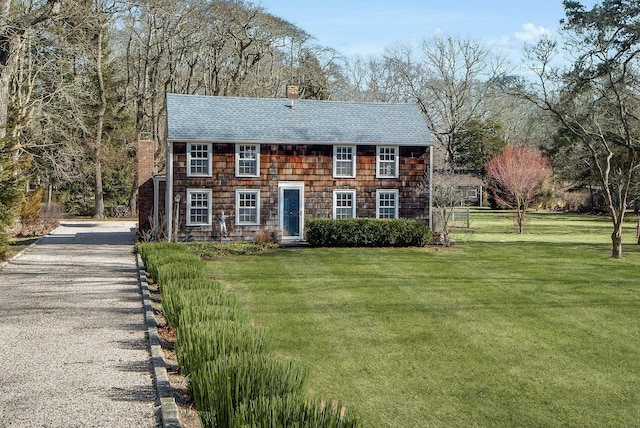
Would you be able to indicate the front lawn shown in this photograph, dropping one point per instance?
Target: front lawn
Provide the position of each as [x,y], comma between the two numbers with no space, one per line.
[500,330]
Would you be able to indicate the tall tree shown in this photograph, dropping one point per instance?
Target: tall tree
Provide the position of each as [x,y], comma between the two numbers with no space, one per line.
[516,177]
[13,26]
[476,142]
[451,79]
[597,99]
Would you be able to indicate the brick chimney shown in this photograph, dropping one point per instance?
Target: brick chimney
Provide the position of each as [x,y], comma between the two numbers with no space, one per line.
[146,164]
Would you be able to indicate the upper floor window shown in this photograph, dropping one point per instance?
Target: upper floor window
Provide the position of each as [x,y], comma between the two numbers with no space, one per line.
[344,204]
[386,204]
[387,162]
[247,207]
[247,160]
[198,207]
[199,160]
[344,161]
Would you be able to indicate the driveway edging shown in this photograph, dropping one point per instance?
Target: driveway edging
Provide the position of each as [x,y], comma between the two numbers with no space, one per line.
[168,407]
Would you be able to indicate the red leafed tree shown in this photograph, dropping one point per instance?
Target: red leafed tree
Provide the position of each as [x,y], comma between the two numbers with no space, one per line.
[516,176]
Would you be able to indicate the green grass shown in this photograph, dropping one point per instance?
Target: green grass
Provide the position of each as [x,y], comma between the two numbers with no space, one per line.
[502,330]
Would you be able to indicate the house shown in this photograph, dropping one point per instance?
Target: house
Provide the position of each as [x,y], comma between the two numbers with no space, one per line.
[239,166]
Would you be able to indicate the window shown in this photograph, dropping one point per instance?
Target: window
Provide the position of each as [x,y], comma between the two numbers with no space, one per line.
[387,204]
[199,160]
[387,162]
[344,161]
[247,207]
[247,160]
[198,207]
[344,204]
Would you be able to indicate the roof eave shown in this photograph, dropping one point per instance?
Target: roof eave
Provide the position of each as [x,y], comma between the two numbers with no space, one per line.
[297,142]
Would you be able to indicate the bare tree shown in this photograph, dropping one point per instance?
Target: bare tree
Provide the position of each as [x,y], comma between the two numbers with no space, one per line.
[447,194]
[451,79]
[13,27]
[516,178]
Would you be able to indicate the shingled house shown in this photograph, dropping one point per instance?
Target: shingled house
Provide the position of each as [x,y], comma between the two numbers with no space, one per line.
[238,166]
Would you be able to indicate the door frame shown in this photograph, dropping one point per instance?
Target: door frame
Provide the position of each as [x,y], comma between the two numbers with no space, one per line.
[290,185]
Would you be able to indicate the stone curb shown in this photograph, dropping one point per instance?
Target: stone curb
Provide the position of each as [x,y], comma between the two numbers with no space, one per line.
[168,407]
[19,253]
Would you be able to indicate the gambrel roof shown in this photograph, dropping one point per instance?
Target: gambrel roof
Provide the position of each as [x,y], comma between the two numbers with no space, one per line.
[192,118]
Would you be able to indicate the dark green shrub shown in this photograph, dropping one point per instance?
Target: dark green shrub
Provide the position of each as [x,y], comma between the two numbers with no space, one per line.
[207,341]
[365,232]
[219,387]
[209,250]
[291,411]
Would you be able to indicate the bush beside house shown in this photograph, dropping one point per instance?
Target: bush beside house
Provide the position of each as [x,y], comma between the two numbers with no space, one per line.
[366,232]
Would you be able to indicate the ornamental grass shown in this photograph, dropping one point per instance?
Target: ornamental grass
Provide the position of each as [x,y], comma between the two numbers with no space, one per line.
[220,386]
[207,341]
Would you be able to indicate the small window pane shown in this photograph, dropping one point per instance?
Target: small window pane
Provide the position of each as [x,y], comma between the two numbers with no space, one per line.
[344,160]
[247,209]
[247,160]
[387,204]
[344,205]
[387,162]
[199,159]
[199,208]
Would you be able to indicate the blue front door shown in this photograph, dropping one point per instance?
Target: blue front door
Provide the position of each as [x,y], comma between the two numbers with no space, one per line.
[291,212]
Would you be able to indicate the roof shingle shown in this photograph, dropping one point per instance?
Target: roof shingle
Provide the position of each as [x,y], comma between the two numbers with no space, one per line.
[274,120]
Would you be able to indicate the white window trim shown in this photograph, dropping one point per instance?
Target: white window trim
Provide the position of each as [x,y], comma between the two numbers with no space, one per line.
[237,160]
[209,160]
[238,192]
[353,199]
[353,160]
[188,210]
[396,161]
[397,199]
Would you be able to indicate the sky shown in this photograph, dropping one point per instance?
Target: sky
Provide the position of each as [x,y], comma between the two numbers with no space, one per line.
[365,28]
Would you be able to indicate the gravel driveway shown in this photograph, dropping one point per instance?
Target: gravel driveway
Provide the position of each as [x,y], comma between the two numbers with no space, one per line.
[73,350]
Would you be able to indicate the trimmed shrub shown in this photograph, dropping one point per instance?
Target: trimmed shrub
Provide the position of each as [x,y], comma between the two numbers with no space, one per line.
[219,387]
[291,411]
[207,341]
[366,232]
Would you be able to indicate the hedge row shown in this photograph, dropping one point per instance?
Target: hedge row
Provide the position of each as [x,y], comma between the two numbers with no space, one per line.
[234,377]
[366,232]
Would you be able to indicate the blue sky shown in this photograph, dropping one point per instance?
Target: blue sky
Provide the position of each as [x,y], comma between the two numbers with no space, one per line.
[358,27]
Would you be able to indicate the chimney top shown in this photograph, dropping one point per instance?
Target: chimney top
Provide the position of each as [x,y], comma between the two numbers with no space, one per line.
[292,92]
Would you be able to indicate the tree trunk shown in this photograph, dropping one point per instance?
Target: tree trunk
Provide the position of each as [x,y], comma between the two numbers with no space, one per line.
[616,235]
[616,242]
[99,194]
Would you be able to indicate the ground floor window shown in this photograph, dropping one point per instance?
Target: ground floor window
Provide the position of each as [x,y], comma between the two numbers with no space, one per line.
[387,204]
[247,207]
[198,207]
[344,204]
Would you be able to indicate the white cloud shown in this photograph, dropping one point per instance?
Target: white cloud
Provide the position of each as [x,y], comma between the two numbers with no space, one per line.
[531,33]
